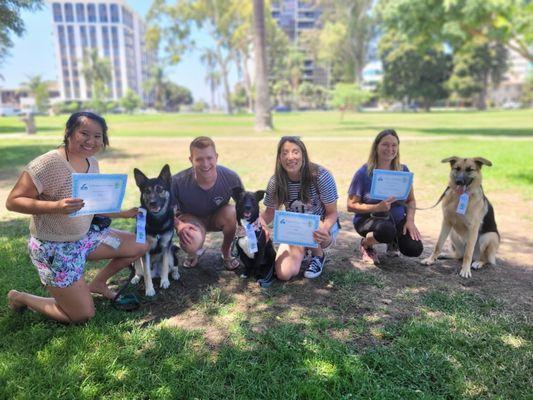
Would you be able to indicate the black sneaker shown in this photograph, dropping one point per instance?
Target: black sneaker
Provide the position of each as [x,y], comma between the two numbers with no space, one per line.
[316,266]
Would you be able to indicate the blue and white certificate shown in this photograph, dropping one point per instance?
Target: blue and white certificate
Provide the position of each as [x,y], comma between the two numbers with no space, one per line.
[387,183]
[101,193]
[295,228]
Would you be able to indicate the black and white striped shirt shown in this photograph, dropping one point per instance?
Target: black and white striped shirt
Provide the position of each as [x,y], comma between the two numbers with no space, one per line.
[326,194]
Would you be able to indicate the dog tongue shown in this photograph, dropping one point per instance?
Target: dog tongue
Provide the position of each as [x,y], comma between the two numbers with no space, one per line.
[460,189]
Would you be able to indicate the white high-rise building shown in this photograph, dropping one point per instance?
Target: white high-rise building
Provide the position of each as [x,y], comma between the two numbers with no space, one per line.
[114,30]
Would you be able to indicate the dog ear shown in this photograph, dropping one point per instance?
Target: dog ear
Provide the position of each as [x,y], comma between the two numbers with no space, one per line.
[259,195]
[140,178]
[452,160]
[236,192]
[482,161]
[165,174]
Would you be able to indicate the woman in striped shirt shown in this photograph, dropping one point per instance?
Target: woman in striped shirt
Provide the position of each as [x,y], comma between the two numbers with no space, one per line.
[304,187]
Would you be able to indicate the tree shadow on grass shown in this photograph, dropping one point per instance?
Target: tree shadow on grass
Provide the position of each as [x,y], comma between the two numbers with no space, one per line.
[502,131]
[22,129]
[390,332]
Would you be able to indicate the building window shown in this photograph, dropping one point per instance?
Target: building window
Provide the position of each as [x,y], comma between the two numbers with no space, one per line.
[127,17]
[105,39]
[69,12]
[61,35]
[92,35]
[114,36]
[114,13]
[91,12]
[56,9]
[102,10]
[83,36]
[80,12]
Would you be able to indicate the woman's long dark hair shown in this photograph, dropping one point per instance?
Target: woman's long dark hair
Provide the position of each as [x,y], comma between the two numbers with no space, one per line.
[75,121]
[308,173]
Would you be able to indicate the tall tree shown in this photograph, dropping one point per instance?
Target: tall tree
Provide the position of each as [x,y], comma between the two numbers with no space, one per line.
[11,22]
[351,30]
[457,22]
[295,64]
[263,115]
[97,74]
[39,91]
[475,65]
[156,84]
[412,72]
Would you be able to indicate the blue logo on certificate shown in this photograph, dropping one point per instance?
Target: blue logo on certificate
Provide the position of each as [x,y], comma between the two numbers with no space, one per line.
[387,184]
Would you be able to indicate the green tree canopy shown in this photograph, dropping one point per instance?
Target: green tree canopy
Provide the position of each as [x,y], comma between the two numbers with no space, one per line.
[12,23]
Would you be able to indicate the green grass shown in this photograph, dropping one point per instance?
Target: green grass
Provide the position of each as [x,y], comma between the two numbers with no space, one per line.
[516,123]
[436,342]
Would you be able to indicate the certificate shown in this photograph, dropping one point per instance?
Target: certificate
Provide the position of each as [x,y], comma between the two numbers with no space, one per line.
[295,228]
[101,193]
[387,183]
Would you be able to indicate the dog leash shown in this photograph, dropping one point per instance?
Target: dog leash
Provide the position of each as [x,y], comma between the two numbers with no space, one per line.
[438,201]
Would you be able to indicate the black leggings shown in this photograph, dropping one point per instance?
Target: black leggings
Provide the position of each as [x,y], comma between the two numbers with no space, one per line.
[385,231]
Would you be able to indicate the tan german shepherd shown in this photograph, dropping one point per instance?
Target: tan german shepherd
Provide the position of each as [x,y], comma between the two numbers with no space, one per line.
[474,234]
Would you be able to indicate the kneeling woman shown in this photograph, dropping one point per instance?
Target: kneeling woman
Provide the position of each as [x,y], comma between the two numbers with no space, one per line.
[59,244]
[304,187]
[387,221]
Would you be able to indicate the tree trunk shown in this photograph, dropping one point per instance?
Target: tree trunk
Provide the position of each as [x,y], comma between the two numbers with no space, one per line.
[263,115]
[247,82]
[481,103]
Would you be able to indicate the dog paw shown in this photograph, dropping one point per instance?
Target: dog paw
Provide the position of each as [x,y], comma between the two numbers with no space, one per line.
[477,264]
[175,274]
[136,279]
[165,284]
[465,273]
[150,292]
[427,261]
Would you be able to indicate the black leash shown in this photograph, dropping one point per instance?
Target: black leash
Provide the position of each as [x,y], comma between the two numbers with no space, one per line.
[438,201]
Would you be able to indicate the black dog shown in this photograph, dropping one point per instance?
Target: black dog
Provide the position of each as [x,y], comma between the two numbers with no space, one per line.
[155,198]
[260,262]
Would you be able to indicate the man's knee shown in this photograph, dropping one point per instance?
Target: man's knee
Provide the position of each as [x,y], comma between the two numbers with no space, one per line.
[226,217]
[385,232]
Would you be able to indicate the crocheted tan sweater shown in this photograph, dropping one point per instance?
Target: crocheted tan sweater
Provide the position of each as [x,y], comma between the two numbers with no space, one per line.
[52,176]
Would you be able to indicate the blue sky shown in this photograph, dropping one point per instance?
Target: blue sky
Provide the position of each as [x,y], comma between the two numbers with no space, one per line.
[33,54]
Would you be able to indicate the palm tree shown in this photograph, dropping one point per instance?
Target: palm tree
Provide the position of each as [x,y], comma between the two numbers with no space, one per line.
[295,63]
[38,90]
[97,74]
[157,84]
[263,116]
[216,56]
[213,77]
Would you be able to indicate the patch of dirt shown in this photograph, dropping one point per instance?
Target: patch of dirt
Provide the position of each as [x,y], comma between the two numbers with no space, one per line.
[355,316]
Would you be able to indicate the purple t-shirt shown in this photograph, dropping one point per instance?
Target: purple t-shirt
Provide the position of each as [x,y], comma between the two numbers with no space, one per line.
[360,186]
[190,198]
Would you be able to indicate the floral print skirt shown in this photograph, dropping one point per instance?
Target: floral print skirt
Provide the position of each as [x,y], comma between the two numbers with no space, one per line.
[60,264]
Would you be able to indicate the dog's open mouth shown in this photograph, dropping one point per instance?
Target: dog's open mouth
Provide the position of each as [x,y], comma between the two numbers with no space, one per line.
[247,214]
[460,189]
[154,208]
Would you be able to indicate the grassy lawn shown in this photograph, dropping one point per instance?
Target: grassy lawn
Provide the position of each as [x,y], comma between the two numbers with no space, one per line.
[396,332]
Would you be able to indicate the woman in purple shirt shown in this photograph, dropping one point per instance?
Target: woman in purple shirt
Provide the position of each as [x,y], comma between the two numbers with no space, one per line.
[386,221]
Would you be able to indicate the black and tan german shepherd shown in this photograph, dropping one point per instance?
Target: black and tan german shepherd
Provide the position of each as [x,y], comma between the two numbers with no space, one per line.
[159,260]
[261,262]
[474,234]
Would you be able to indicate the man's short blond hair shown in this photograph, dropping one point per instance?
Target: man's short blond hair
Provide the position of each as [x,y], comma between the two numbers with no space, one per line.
[202,142]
